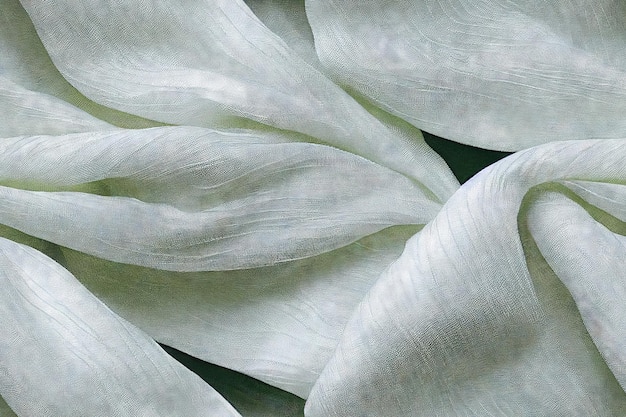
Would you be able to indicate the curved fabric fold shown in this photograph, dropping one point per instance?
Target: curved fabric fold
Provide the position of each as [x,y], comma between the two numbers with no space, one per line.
[287,19]
[503,75]
[508,302]
[64,353]
[193,199]
[214,64]
[590,259]
[279,324]
[33,92]
[26,112]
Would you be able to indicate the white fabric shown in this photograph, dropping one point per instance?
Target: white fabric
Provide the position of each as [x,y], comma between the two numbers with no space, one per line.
[34,96]
[30,113]
[265,233]
[192,199]
[279,324]
[287,19]
[211,63]
[64,353]
[497,74]
[476,316]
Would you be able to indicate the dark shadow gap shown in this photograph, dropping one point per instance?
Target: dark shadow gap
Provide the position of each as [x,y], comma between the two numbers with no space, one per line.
[248,395]
[464,160]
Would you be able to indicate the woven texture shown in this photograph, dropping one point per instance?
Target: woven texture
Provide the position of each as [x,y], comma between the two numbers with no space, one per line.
[247,183]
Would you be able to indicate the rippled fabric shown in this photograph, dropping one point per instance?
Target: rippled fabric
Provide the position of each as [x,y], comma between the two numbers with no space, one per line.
[263,231]
[504,75]
[287,19]
[279,324]
[585,246]
[28,112]
[34,96]
[64,353]
[163,197]
[507,303]
[190,199]
[210,63]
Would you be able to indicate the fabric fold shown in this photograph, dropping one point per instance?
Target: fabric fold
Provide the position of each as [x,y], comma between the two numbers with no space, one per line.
[34,96]
[499,305]
[54,330]
[279,324]
[193,199]
[502,75]
[214,64]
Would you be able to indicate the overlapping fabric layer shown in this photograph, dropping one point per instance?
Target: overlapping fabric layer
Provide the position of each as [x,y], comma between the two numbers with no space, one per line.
[507,303]
[504,75]
[192,199]
[213,64]
[34,96]
[65,353]
[264,231]
[279,324]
